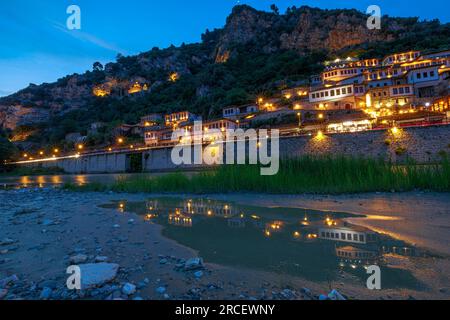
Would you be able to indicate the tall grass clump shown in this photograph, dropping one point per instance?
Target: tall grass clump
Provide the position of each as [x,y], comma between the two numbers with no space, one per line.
[329,175]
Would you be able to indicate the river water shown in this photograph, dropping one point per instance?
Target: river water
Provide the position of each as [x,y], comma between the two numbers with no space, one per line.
[58,180]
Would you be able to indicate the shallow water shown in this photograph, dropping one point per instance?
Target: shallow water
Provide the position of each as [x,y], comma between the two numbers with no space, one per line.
[58,180]
[314,245]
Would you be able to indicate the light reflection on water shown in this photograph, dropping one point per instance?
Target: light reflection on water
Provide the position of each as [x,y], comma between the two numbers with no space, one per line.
[315,245]
[57,180]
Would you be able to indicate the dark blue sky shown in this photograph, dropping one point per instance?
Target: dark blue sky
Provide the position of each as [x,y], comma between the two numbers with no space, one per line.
[36,47]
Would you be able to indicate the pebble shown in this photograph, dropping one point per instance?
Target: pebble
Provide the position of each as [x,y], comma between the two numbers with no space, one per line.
[161,290]
[129,289]
[101,259]
[46,294]
[3,293]
[193,264]
[7,242]
[6,281]
[79,258]
[198,274]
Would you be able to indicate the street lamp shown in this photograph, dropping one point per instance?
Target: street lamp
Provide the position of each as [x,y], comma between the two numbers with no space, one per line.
[299,115]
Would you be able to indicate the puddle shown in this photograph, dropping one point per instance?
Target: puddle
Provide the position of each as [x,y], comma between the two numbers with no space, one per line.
[314,245]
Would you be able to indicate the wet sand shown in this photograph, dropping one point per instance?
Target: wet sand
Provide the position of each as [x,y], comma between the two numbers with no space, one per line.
[50,226]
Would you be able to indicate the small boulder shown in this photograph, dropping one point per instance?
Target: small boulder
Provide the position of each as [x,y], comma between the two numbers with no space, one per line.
[198,274]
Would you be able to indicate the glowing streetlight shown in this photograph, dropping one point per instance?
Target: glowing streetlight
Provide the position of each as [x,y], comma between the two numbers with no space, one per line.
[395,130]
[120,140]
[80,147]
[56,150]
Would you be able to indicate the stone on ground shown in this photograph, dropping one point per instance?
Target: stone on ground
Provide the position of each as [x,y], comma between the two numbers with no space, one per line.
[97,274]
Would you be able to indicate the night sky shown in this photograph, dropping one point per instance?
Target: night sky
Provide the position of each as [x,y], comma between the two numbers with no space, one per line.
[37,47]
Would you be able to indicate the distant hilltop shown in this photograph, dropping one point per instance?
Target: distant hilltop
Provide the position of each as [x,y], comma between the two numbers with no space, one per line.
[255,53]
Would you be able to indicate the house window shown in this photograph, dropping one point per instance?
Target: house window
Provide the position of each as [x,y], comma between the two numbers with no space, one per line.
[419,76]
[349,90]
[332,93]
[395,91]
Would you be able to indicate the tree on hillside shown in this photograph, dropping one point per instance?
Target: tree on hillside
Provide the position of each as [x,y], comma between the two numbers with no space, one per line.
[97,66]
[275,9]
[7,151]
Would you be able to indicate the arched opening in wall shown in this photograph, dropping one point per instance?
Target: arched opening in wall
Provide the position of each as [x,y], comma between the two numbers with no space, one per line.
[348,106]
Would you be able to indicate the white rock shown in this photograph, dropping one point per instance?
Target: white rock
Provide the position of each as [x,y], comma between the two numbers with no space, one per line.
[97,274]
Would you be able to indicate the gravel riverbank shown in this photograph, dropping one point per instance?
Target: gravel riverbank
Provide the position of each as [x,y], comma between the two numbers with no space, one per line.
[43,231]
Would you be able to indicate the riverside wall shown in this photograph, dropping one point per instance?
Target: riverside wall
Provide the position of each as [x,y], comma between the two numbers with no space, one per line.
[422,144]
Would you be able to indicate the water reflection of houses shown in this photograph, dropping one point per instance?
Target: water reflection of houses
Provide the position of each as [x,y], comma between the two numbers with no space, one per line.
[209,208]
[179,219]
[354,256]
[236,222]
[347,233]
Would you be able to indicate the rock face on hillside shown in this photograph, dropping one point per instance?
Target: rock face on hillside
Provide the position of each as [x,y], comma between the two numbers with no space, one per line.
[302,30]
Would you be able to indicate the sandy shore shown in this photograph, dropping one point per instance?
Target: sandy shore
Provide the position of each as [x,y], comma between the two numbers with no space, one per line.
[49,227]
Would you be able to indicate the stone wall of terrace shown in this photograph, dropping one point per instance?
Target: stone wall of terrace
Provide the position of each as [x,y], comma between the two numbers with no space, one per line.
[422,144]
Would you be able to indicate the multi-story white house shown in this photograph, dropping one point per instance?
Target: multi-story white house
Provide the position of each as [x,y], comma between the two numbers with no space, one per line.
[241,111]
